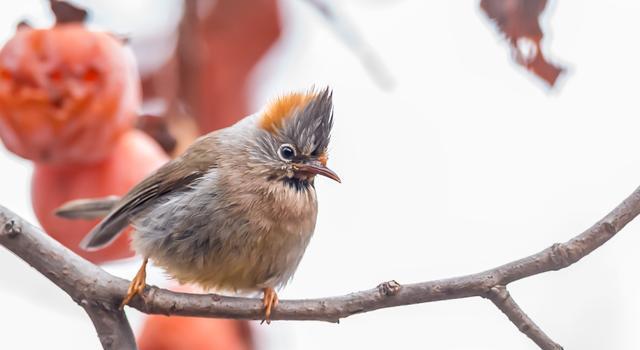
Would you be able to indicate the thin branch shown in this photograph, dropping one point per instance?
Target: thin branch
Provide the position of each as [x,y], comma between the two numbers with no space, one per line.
[85,282]
[354,40]
[501,298]
[112,326]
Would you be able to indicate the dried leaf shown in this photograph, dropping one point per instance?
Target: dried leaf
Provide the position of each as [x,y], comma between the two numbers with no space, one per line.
[518,20]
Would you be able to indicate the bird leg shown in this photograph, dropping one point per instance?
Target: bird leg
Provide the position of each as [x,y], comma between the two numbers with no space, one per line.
[270,300]
[137,284]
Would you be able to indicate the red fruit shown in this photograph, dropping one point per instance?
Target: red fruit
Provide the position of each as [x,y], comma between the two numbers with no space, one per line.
[66,93]
[220,52]
[134,157]
[191,333]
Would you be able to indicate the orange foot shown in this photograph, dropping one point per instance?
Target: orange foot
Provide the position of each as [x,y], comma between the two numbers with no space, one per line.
[270,300]
[137,284]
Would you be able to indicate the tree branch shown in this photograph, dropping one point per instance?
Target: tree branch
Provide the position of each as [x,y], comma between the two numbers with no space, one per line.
[111,324]
[87,284]
[501,298]
[84,282]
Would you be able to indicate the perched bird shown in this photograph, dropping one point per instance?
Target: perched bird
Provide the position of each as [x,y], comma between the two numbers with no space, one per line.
[237,209]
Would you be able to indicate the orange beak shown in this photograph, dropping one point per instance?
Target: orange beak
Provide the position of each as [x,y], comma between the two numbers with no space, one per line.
[315,167]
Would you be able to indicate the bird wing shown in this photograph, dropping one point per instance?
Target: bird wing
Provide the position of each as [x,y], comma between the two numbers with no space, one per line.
[175,176]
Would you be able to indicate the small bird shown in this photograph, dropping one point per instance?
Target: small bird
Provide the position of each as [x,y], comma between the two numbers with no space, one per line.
[237,209]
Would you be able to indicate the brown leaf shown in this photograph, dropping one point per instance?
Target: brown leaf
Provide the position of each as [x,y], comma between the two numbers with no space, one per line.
[518,20]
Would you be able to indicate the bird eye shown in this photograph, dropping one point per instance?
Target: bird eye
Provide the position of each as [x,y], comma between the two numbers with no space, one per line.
[286,152]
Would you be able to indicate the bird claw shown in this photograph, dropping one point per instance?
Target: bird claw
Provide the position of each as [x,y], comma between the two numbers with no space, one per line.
[137,285]
[270,301]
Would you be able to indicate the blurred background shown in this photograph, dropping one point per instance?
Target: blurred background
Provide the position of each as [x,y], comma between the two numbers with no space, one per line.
[489,142]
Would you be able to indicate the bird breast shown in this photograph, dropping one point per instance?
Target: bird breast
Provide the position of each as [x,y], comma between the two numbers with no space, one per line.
[227,235]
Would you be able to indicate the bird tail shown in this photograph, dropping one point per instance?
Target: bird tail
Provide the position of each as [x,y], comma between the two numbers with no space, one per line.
[107,230]
[92,208]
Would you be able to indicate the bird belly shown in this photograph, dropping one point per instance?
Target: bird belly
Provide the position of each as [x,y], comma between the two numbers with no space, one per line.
[250,241]
[239,255]
[243,262]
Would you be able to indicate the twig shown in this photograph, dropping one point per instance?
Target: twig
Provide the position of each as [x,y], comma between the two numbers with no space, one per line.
[86,283]
[112,326]
[501,298]
[347,32]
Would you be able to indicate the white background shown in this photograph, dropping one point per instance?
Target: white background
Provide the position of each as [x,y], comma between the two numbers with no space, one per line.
[469,162]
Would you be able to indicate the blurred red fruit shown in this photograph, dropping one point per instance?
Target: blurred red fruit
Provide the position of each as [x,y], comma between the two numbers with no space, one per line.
[134,156]
[161,332]
[191,333]
[219,47]
[66,93]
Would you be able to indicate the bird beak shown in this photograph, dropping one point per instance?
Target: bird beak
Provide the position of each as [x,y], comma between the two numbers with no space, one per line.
[317,168]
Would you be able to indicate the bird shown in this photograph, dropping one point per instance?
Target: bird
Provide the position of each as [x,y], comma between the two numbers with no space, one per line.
[235,211]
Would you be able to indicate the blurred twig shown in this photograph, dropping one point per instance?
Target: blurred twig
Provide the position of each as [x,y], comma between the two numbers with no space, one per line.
[354,40]
[94,289]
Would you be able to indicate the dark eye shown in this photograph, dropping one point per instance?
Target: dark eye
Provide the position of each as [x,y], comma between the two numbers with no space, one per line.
[286,152]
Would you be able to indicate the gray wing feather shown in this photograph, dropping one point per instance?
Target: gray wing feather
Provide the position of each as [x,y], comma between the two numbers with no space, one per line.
[173,177]
[111,226]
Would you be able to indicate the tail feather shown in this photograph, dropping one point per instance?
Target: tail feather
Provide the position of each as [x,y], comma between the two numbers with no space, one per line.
[107,230]
[103,234]
[87,209]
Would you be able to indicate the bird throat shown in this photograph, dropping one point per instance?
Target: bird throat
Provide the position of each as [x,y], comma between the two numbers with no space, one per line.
[298,184]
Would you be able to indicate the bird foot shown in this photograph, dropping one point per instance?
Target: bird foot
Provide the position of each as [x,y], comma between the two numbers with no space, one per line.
[137,284]
[270,301]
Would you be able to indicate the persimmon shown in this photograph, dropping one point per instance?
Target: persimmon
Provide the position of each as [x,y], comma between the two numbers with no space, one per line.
[219,49]
[192,333]
[160,332]
[134,157]
[66,93]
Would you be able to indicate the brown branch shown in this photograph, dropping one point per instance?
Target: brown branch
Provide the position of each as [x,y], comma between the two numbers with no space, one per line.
[351,37]
[84,282]
[501,298]
[112,326]
[87,283]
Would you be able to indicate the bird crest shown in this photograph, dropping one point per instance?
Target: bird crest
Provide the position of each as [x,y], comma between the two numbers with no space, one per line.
[282,108]
[303,119]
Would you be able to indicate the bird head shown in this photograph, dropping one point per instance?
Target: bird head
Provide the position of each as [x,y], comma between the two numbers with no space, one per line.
[293,137]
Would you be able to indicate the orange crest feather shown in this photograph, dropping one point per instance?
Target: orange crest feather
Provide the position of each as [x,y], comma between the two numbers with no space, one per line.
[282,108]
